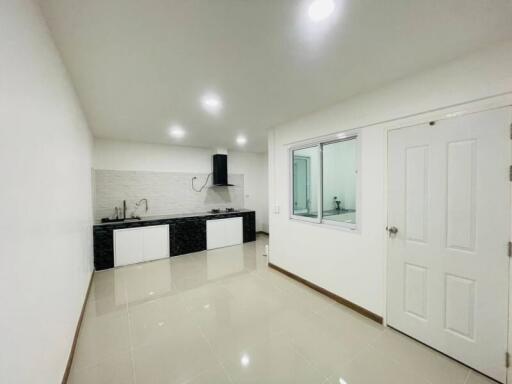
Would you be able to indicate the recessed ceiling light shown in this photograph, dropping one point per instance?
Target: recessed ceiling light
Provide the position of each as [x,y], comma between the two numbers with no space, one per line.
[454,114]
[321,9]
[245,360]
[211,102]
[241,140]
[177,132]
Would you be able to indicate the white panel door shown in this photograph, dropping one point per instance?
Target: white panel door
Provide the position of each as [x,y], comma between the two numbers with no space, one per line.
[156,242]
[233,231]
[449,199]
[128,246]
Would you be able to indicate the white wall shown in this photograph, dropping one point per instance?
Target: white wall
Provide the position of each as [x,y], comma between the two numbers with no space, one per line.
[129,156]
[167,193]
[254,168]
[45,230]
[349,264]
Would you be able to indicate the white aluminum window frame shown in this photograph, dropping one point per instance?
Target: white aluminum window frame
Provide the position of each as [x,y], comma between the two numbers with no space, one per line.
[318,187]
[319,143]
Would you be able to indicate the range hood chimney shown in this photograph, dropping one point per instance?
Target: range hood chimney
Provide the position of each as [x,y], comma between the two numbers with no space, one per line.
[220,170]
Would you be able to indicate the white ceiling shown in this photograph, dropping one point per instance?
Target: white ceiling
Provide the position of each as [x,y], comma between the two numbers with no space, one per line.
[141,65]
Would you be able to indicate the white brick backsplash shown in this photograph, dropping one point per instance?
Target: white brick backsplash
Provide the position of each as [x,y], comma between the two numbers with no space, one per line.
[167,192]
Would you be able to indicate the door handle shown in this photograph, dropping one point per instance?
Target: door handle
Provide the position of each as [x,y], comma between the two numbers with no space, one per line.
[392,230]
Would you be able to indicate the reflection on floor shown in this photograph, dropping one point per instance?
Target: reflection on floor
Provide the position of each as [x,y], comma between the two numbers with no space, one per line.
[223,317]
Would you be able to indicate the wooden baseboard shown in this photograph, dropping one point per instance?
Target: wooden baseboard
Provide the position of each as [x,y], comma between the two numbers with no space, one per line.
[333,296]
[77,331]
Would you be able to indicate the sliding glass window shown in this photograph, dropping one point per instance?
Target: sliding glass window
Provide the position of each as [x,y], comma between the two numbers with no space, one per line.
[306,167]
[339,181]
[325,181]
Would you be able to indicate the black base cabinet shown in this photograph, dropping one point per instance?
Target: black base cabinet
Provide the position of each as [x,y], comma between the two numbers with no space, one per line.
[186,234]
[249,227]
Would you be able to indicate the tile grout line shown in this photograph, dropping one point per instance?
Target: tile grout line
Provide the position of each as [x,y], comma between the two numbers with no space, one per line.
[427,348]
[225,363]
[312,363]
[205,338]
[88,320]
[399,364]
[130,333]
[467,376]
[217,358]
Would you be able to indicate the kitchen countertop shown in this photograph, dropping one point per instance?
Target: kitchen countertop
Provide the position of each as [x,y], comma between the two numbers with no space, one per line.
[174,216]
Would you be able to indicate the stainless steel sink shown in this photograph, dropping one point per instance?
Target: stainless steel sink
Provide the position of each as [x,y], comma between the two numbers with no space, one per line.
[128,220]
[131,220]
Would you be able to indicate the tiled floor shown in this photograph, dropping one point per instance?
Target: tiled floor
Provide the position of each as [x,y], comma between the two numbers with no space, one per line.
[223,317]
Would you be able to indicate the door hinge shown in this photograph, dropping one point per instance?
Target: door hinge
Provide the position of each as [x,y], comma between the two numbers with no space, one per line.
[507,359]
[510,173]
[510,249]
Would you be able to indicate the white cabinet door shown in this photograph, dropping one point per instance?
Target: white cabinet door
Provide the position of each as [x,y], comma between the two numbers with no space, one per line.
[224,232]
[214,234]
[233,231]
[128,246]
[156,242]
[135,245]
[449,201]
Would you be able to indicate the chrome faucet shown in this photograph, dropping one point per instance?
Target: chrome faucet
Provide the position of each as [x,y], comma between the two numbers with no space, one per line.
[140,202]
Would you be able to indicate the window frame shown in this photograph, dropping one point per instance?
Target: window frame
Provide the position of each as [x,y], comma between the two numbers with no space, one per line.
[308,177]
[291,195]
[319,143]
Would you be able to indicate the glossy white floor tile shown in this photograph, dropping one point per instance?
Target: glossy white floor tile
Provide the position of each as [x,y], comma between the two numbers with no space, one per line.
[223,317]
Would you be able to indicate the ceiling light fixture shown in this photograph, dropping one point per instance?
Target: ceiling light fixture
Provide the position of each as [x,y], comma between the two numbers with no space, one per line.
[177,132]
[454,114]
[211,103]
[245,360]
[321,9]
[241,140]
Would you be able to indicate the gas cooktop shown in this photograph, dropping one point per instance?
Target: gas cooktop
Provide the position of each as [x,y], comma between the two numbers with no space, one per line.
[227,210]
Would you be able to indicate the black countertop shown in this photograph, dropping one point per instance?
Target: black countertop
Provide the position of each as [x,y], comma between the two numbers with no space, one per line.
[174,216]
[187,232]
